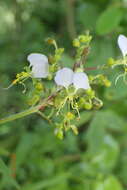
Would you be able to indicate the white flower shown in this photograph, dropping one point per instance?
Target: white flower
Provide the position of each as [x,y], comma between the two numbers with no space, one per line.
[122,43]
[80,80]
[65,77]
[39,63]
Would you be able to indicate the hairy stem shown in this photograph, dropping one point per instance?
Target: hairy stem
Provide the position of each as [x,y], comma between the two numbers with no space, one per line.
[19,115]
[27,112]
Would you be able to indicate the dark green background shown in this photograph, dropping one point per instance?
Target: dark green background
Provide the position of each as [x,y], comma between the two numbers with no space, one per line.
[96,159]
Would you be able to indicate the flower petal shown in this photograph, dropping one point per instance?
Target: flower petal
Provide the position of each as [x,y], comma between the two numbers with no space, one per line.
[64,77]
[80,80]
[122,43]
[40,70]
[37,58]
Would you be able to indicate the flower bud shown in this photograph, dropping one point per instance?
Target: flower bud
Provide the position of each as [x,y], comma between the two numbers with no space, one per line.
[39,86]
[81,102]
[85,38]
[70,116]
[111,61]
[76,43]
[90,93]
[59,50]
[74,129]
[107,83]
[59,133]
[88,106]
[50,40]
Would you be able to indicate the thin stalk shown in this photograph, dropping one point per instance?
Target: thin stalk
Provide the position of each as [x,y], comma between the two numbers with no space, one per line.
[44,117]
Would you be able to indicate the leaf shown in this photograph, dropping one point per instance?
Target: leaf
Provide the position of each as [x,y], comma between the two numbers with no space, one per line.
[98,185]
[112,183]
[85,11]
[106,158]
[24,147]
[84,117]
[103,148]
[47,183]
[109,20]
[118,91]
[96,131]
[114,121]
[7,178]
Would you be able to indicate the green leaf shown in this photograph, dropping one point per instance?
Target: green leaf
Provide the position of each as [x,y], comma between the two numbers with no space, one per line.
[47,183]
[96,131]
[85,11]
[109,20]
[118,91]
[85,116]
[7,178]
[106,158]
[114,121]
[112,183]
[98,185]
[24,147]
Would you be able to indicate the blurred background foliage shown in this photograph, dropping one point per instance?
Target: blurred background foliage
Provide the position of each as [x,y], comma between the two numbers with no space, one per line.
[31,157]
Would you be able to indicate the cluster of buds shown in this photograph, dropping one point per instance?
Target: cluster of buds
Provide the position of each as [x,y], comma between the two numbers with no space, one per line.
[82,44]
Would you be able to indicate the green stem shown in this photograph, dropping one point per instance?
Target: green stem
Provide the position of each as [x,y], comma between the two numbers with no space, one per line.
[29,111]
[44,117]
[19,115]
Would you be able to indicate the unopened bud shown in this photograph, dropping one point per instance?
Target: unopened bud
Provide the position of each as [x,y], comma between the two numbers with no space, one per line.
[76,43]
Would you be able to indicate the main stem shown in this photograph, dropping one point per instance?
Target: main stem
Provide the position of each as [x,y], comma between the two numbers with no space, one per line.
[29,111]
[19,115]
[34,109]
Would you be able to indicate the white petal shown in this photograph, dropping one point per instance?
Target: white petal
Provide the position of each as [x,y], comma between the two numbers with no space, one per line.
[40,71]
[37,58]
[80,80]
[64,77]
[122,43]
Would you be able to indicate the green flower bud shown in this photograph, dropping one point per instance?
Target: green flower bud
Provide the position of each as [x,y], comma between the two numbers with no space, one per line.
[88,106]
[91,78]
[125,69]
[39,86]
[50,40]
[57,57]
[76,43]
[51,59]
[90,93]
[111,62]
[74,129]
[107,83]
[50,77]
[70,116]
[59,51]
[85,39]
[81,102]
[59,133]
